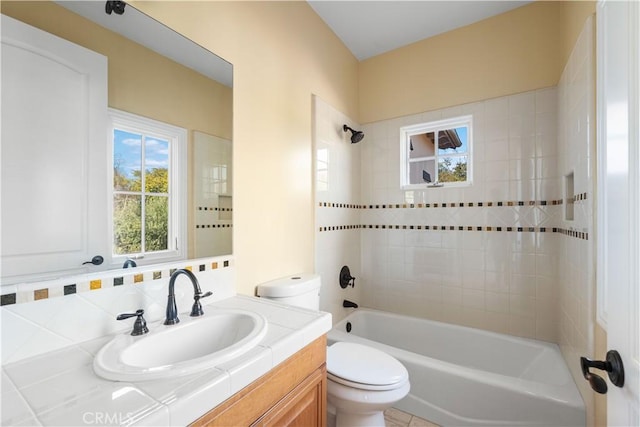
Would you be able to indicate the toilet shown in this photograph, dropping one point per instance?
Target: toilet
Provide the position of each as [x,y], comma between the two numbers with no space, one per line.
[361,381]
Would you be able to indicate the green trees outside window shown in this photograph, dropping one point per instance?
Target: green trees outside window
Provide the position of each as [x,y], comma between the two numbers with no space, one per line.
[140,215]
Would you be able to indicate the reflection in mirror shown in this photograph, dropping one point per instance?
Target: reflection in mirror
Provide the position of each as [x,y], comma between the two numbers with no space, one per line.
[55,201]
[212,194]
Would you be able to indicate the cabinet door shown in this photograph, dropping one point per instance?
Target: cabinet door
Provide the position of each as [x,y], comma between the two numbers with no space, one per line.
[54,162]
[305,406]
[293,393]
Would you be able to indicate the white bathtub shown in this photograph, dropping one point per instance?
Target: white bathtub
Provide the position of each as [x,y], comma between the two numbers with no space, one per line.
[468,377]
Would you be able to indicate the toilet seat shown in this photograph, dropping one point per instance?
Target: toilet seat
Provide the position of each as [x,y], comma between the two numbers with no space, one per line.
[362,367]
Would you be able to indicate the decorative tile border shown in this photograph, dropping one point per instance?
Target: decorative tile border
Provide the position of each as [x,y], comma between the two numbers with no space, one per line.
[450,204]
[341,227]
[209,213]
[583,235]
[341,205]
[571,233]
[580,197]
[566,232]
[213,209]
[30,294]
[441,228]
[7,299]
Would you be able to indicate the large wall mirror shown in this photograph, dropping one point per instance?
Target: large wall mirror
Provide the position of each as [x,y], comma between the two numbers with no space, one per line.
[155,114]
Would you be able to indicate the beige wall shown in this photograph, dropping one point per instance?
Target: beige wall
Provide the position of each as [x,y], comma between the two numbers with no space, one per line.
[573,14]
[282,53]
[510,53]
[518,51]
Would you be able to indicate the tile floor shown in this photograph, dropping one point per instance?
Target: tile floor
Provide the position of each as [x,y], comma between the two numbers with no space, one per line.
[396,418]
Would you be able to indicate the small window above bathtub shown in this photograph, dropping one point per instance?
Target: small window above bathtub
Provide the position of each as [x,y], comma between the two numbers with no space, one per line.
[436,154]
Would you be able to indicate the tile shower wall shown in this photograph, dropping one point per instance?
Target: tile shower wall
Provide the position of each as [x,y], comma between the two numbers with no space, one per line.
[497,255]
[337,186]
[576,156]
[482,255]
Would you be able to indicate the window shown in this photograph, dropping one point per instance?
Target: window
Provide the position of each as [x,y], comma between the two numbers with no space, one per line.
[427,164]
[148,189]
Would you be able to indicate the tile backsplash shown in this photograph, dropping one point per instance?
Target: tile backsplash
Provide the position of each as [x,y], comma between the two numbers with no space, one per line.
[45,316]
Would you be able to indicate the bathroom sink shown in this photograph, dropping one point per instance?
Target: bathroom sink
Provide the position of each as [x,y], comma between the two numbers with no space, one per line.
[194,344]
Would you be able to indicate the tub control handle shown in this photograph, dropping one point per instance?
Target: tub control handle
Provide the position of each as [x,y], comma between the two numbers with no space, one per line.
[346,279]
[612,365]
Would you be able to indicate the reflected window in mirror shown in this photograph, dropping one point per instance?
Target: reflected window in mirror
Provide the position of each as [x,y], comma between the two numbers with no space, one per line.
[148,202]
[437,153]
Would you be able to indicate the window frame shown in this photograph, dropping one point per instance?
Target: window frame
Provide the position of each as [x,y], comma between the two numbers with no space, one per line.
[406,132]
[178,139]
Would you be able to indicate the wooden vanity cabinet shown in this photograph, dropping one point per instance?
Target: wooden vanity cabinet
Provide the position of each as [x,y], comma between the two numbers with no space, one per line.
[294,393]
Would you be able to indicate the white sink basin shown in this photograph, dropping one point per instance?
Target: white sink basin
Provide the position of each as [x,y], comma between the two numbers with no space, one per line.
[194,344]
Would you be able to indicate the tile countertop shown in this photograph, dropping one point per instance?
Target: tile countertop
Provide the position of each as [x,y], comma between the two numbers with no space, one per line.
[61,389]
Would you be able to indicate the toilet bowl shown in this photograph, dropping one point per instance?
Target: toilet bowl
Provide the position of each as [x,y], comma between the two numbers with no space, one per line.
[361,381]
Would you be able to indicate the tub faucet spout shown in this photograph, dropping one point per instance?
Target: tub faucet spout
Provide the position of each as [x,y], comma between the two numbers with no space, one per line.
[349,304]
[172,309]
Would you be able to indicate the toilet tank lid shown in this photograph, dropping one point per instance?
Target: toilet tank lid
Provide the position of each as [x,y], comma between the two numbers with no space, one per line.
[290,285]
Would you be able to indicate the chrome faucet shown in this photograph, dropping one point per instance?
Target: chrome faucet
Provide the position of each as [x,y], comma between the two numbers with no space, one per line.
[172,309]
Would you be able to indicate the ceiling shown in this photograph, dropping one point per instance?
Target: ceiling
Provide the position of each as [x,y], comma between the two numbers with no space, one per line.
[369,28]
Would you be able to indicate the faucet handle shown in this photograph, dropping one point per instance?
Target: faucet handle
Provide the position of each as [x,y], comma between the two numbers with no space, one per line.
[196,309]
[346,279]
[139,326]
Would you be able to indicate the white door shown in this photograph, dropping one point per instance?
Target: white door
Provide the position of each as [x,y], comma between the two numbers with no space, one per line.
[619,198]
[54,162]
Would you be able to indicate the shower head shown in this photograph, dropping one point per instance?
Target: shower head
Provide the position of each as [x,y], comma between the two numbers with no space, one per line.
[356,135]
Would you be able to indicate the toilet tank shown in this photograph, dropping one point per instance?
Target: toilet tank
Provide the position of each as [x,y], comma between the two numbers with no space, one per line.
[301,290]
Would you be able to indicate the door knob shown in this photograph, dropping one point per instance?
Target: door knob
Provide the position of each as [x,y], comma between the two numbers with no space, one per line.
[612,365]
